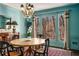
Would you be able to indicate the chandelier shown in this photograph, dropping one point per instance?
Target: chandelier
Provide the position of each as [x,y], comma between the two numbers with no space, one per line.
[27,10]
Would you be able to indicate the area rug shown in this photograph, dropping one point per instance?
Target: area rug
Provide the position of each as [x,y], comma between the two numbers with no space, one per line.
[58,52]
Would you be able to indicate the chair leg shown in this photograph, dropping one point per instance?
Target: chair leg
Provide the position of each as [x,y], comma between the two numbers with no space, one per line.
[43,54]
[1,53]
[34,53]
[21,51]
[8,52]
[47,54]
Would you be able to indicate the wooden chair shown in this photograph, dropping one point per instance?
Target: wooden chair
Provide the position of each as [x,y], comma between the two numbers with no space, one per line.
[44,50]
[17,48]
[12,52]
[3,46]
[7,50]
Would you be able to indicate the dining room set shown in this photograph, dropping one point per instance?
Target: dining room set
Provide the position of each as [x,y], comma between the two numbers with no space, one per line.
[24,47]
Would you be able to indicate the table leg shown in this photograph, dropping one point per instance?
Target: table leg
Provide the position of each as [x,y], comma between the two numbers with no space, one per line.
[28,52]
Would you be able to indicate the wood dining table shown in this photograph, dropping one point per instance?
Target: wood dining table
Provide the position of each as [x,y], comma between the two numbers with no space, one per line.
[28,42]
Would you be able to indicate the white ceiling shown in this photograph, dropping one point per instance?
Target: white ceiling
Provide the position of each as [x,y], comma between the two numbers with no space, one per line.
[37,6]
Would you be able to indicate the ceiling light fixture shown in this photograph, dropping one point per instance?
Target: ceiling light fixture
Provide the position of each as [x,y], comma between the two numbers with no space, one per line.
[27,10]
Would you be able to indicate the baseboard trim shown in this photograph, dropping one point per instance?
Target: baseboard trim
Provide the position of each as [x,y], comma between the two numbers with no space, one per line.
[73,50]
[58,47]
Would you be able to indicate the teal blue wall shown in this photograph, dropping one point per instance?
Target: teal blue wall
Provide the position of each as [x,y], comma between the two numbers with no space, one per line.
[16,15]
[73,24]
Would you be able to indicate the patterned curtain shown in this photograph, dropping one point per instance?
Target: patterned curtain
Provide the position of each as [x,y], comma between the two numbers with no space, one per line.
[61,27]
[44,26]
[36,26]
[48,27]
[53,27]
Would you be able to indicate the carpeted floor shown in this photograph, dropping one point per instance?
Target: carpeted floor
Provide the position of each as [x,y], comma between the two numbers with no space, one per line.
[58,52]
